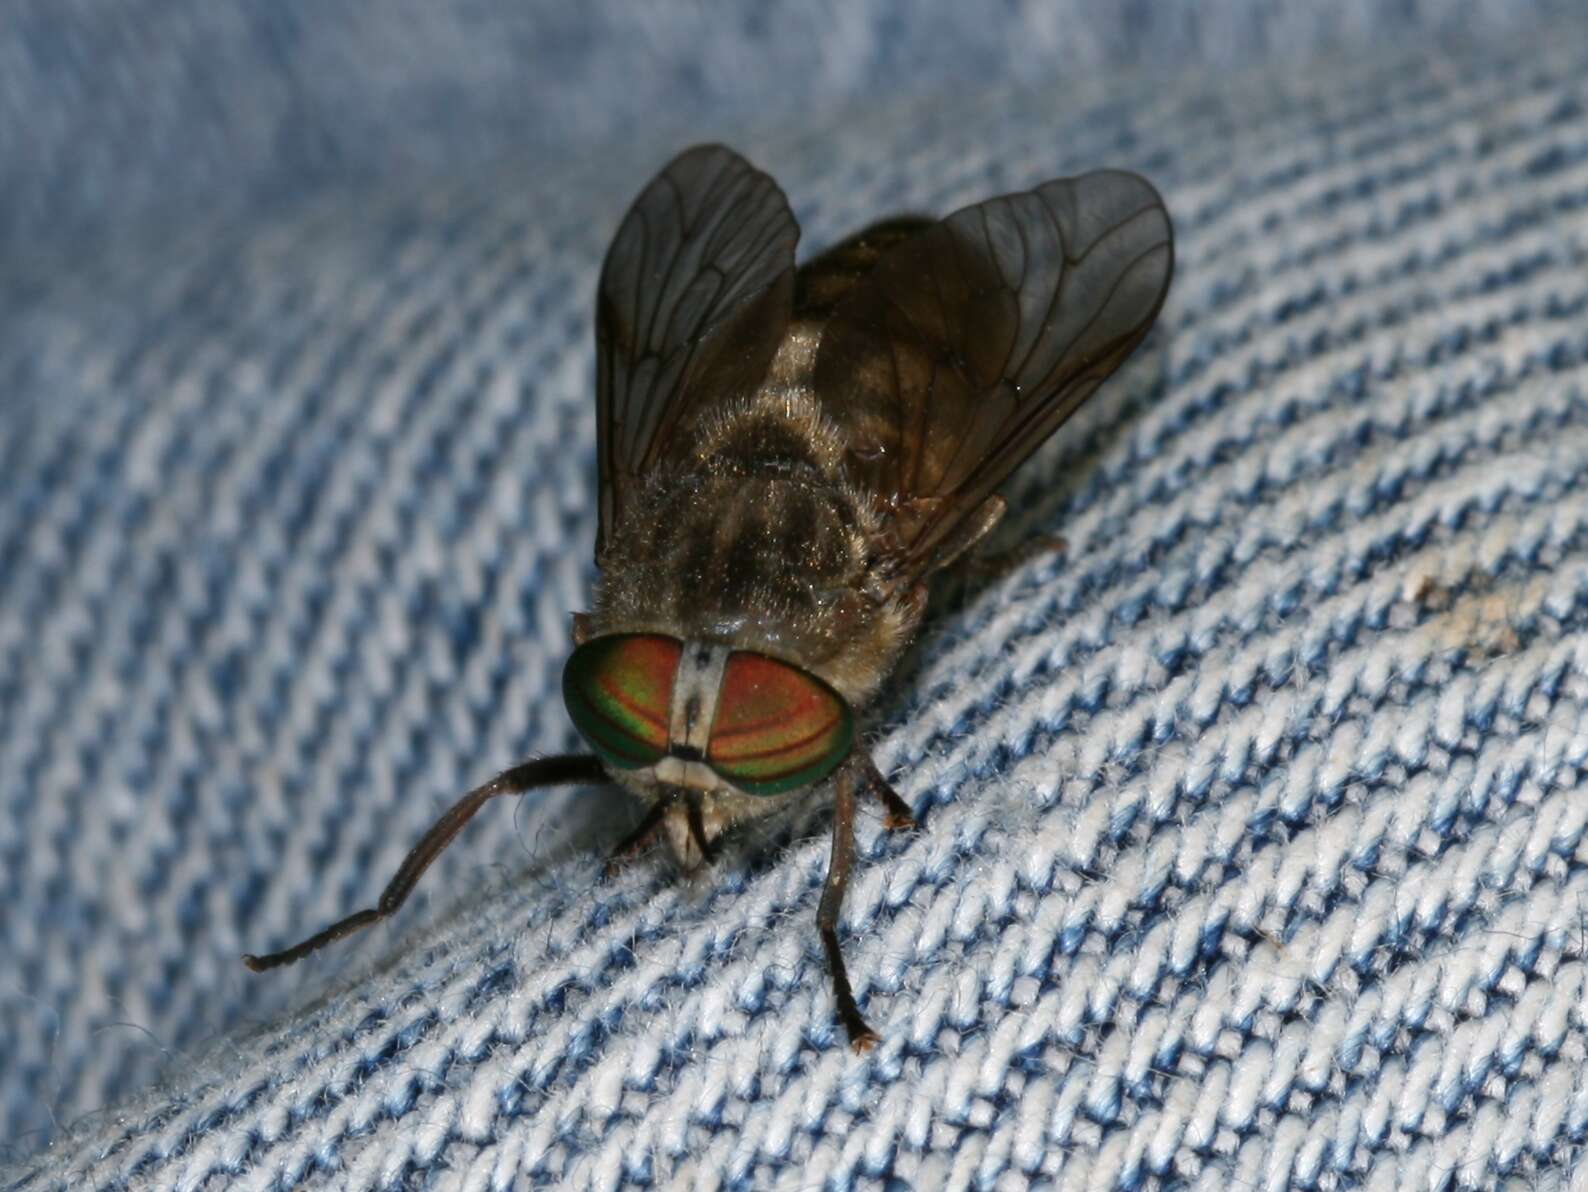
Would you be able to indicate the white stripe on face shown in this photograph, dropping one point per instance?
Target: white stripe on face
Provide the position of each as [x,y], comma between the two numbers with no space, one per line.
[695,688]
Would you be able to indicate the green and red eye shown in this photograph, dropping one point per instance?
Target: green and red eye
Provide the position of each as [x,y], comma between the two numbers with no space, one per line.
[776,728]
[619,692]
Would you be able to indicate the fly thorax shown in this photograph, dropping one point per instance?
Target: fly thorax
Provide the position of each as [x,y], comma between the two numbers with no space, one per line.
[759,541]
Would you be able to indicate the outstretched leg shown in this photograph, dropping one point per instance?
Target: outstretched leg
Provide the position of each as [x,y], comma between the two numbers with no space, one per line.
[545,771]
[898,811]
[861,1036]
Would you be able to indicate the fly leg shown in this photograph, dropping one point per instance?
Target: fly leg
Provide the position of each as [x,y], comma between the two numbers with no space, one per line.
[898,813]
[861,1036]
[969,532]
[697,829]
[545,771]
[636,841]
[958,549]
[1001,563]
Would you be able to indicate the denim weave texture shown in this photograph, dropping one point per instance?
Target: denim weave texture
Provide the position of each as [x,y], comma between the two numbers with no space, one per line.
[1254,847]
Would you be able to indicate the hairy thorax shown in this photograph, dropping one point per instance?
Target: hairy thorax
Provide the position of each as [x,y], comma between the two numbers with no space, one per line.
[757,541]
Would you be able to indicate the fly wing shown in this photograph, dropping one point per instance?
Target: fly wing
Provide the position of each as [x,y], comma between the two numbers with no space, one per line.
[695,297]
[823,283]
[969,343]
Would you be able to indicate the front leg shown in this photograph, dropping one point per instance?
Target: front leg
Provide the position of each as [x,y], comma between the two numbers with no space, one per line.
[861,1036]
[636,841]
[898,813]
[544,771]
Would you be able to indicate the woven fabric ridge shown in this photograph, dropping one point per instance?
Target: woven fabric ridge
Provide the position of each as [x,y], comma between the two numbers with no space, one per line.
[1255,846]
[262,99]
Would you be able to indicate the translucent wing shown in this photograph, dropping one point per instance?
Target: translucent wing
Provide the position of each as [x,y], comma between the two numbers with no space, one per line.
[822,284]
[695,296]
[971,341]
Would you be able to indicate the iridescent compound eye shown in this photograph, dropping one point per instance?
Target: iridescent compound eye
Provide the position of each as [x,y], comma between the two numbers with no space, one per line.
[619,692]
[776,728]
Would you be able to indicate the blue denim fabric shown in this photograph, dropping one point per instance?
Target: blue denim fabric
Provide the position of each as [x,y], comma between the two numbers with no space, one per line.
[118,112]
[1254,822]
